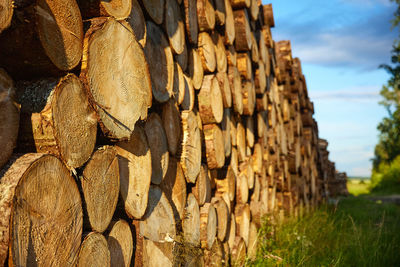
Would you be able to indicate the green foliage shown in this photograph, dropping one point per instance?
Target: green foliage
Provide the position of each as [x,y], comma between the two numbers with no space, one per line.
[358,187]
[386,178]
[358,232]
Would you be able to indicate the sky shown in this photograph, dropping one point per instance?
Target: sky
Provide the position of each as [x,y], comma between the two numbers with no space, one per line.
[341,44]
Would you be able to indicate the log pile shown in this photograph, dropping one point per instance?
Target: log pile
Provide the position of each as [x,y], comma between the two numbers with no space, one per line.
[149,132]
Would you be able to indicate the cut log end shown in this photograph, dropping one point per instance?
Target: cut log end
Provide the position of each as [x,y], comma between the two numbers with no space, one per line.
[120,244]
[94,251]
[6,13]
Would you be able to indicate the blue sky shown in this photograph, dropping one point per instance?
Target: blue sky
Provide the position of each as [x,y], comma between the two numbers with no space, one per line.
[341,43]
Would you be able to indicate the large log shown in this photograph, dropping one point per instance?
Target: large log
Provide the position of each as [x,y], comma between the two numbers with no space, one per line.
[242,189]
[94,251]
[155,9]
[174,26]
[100,186]
[9,117]
[135,172]
[119,98]
[161,63]
[191,146]
[174,187]
[249,97]
[38,193]
[240,3]
[53,32]
[158,222]
[192,27]
[119,9]
[56,118]
[210,100]
[120,244]
[244,65]
[159,148]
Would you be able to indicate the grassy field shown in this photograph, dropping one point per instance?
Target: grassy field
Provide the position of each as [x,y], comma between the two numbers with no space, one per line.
[355,232]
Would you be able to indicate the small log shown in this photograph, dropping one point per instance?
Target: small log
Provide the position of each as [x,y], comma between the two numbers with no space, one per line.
[119,9]
[160,60]
[236,89]
[232,232]
[249,97]
[94,251]
[117,108]
[155,9]
[52,30]
[257,158]
[208,225]
[100,186]
[250,131]
[242,30]
[223,217]
[268,15]
[138,23]
[260,80]
[192,27]
[238,252]
[220,12]
[241,141]
[189,96]
[202,189]
[120,244]
[231,55]
[174,187]
[135,172]
[158,222]
[9,116]
[214,144]
[240,3]
[223,82]
[158,146]
[183,58]
[262,48]
[220,52]
[174,26]
[196,71]
[242,189]
[242,217]
[40,183]
[255,55]
[6,14]
[205,15]
[262,103]
[244,65]
[233,133]
[191,146]
[226,132]
[227,185]
[229,24]
[254,9]
[207,51]
[191,221]
[171,120]
[247,169]
[210,100]
[56,118]
[215,255]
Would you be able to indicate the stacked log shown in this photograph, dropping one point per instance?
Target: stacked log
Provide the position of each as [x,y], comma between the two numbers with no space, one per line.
[149,133]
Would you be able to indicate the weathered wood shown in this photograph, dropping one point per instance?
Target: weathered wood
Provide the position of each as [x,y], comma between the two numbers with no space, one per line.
[249,97]
[174,26]
[135,168]
[223,82]
[94,251]
[242,217]
[100,186]
[189,96]
[40,183]
[191,146]
[208,225]
[202,189]
[183,58]
[227,184]
[192,27]
[250,129]
[196,71]
[223,217]
[161,65]
[53,32]
[244,65]
[220,53]
[9,117]
[56,118]
[236,89]
[242,189]
[260,80]
[117,108]
[220,12]
[155,9]
[210,100]
[191,221]
[159,147]
[120,244]
[254,9]
[231,55]
[157,254]
[268,15]
[171,120]
[174,187]
[232,232]
[205,15]
[158,222]
[240,3]
[229,23]
[119,9]
[242,30]
[214,143]
[207,52]
[226,132]
[241,141]
[138,23]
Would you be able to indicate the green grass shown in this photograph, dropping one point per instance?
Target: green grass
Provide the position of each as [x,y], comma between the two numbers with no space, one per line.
[356,232]
[358,187]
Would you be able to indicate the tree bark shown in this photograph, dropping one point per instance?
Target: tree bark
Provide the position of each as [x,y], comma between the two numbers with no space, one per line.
[38,193]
